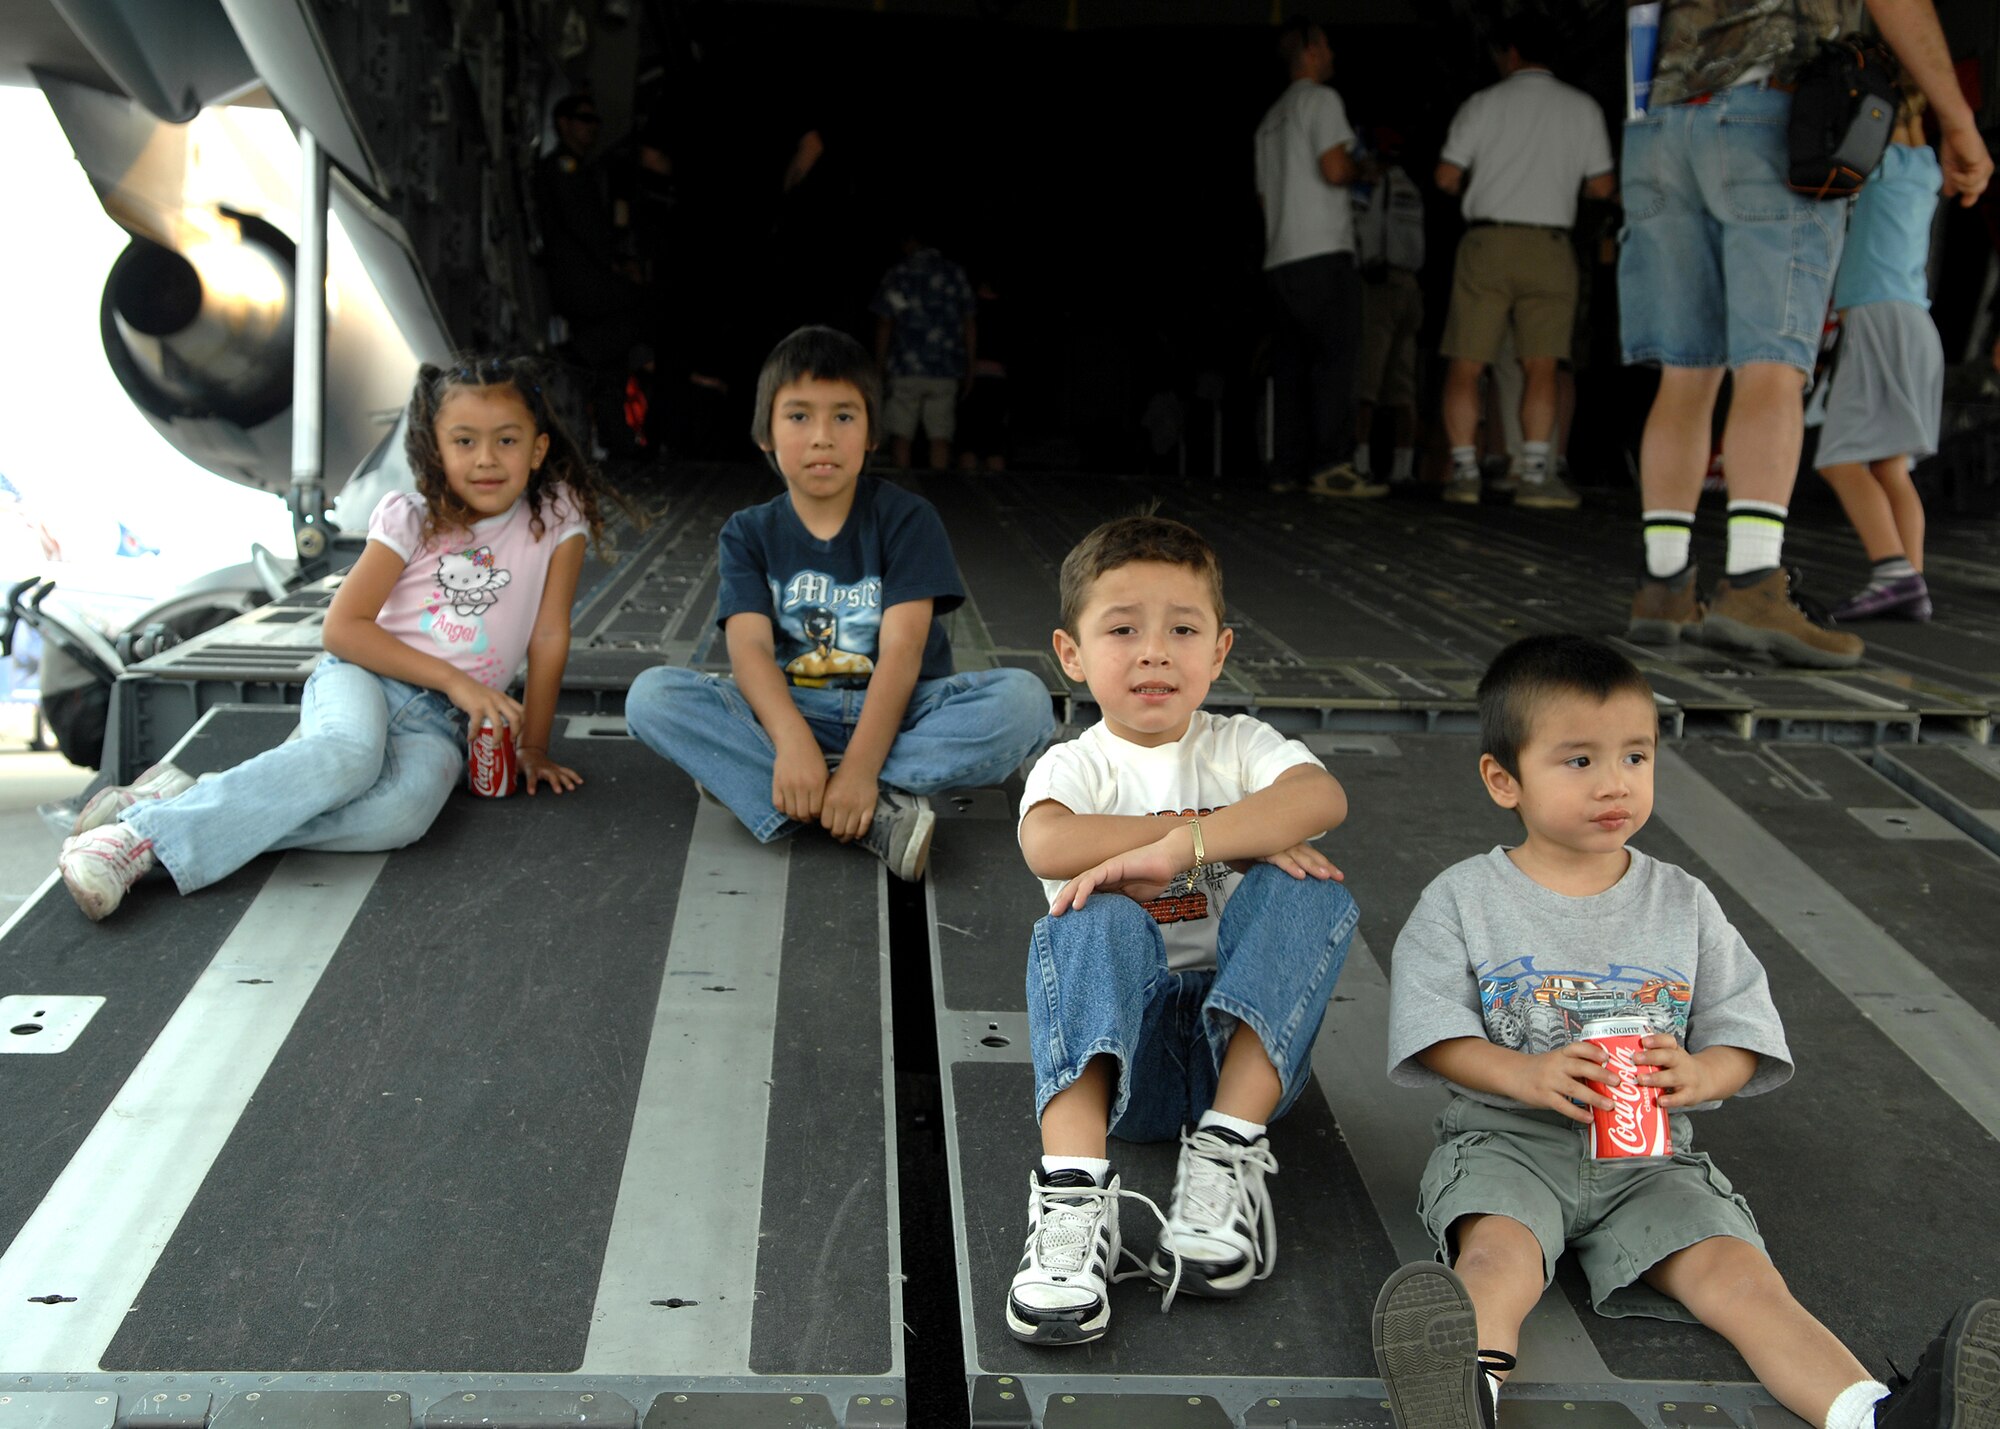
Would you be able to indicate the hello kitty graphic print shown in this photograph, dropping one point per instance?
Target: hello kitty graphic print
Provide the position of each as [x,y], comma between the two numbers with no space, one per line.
[470,598]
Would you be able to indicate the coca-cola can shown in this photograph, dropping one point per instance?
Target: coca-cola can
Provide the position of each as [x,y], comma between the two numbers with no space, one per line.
[1636,1124]
[491,767]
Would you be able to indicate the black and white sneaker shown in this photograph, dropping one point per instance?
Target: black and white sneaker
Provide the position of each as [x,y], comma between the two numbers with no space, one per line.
[1220,1234]
[1427,1352]
[1956,1385]
[901,834]
[1061,1293]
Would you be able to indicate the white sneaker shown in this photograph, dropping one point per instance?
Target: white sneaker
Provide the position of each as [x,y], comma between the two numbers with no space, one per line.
[98,866]
[162,781]
[1061,1290]
[1463,487]
[901,834]
[1219,1224]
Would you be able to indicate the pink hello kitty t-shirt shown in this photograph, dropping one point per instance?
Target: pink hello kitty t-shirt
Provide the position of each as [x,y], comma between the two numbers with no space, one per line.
[471,598]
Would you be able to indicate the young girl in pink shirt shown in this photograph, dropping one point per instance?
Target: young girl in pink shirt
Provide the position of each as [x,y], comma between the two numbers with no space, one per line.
[458,583]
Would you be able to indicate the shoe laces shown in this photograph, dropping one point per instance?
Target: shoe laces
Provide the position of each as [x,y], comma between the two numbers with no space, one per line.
[1064,1239]
[1211,1188]
[1812,609]
[126,858]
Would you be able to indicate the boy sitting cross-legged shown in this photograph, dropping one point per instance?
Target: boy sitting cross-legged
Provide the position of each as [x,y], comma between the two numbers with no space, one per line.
[1192,940]
[1505,957]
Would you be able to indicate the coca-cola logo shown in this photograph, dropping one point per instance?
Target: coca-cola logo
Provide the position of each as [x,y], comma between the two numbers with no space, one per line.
[1633,1107]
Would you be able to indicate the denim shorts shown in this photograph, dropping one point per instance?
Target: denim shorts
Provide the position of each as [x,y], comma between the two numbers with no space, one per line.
[1721,264]
[1621,1217]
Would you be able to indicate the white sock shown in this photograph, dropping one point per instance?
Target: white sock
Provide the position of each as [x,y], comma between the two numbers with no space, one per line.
[1406,464]
[1464,461]
[1534,460]
[1892,568]
[1248,1130]
[1667,535]
[1362,459]
[1492,1382]
[1756,537]
[1099,1167]
[1854,1406]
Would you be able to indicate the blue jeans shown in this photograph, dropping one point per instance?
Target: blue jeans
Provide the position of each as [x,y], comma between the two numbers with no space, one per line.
[373,764]
[958,733]
[1098,984]
[1721,263]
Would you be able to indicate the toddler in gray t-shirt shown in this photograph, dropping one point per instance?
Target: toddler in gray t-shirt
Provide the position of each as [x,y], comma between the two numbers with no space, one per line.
[1503,961]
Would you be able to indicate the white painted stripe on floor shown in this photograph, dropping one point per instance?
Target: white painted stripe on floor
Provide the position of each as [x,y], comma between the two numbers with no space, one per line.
[691,1198]
[1388,1130]
[1956,1045]
[101,1228]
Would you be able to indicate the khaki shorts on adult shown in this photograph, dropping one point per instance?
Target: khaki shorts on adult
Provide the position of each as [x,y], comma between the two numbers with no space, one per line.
[1621,1217]
[930,400]
[1507,272]
[1391,312]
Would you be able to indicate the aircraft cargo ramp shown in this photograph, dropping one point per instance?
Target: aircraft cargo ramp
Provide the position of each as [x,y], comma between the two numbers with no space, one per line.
[589,1110]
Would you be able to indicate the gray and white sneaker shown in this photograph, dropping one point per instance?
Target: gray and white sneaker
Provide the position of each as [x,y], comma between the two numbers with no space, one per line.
[901,834]
[1219,1231]
[1462,487]
[162,781]
[1061,1293]
[1547,492]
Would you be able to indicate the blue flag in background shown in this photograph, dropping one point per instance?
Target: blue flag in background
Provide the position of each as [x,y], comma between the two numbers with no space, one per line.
[131,545]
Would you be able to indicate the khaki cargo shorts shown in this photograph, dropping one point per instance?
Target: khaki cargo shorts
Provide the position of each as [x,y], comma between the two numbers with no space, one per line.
[1621,1217]
[1504,271]
[929,402]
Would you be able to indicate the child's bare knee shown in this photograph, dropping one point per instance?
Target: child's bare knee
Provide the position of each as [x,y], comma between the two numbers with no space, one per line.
[1497,1247]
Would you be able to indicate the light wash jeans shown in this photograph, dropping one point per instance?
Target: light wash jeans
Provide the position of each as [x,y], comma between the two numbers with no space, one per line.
[373,764]
[1098,983]
[959,732]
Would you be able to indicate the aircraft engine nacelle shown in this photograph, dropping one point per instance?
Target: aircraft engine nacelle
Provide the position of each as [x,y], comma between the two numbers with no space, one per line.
[204,333]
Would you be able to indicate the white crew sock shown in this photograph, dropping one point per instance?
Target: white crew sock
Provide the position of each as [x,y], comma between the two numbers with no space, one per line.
[1890,568]
[1248,1130]
[1854,1406]
[1667,535]
[1492,1383]
[1099,1167]
[1464,461]
[1534,461]
[1406,464]
[1756,537]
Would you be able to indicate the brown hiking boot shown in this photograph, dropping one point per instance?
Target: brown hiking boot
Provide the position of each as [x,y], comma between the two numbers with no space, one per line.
[1665,611]
[1762,616]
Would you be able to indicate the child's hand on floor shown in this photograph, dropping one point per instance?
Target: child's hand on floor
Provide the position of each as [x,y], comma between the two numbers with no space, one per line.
[536,766]
[848,806]
[1302,860]
[1562,1078]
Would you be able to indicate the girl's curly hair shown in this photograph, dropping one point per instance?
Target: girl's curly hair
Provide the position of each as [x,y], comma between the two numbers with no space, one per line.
[565,464]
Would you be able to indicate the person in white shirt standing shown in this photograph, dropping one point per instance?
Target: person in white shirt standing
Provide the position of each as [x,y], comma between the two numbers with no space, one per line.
[1516,155]
[1305,163]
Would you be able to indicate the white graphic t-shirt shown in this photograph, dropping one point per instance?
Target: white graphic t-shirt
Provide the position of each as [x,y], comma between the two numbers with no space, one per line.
[471,597]
[1218,761]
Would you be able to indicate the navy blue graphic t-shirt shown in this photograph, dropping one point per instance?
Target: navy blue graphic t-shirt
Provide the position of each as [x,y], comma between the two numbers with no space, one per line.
[826,598]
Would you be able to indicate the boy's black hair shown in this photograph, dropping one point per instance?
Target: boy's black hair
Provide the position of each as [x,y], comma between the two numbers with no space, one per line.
[1295,37]
[1531,671]
[1529,35]
[823,352]
[1119,542]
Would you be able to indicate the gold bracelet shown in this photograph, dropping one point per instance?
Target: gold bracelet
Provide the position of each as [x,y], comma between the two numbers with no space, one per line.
[1200,851]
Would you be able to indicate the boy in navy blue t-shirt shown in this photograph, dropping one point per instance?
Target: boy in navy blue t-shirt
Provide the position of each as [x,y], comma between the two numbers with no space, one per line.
[830,604]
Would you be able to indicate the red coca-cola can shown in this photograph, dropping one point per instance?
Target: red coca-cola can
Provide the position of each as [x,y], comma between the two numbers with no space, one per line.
[1636,1124]
[491,766]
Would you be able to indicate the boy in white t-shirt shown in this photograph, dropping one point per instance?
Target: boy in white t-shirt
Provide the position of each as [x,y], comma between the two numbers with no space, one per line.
[1177,978]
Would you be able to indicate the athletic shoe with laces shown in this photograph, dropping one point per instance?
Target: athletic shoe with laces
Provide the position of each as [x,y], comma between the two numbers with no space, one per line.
[1061,1290]
[162,781]
[1547,492]
[1766,615]
[1342,480]
[1956,1384]
[1219,1225]
[1427,1351]
[101,864]
[1462,487]
[901,834]
[1905,598]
